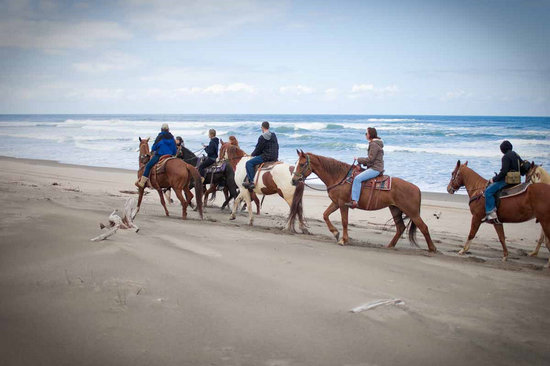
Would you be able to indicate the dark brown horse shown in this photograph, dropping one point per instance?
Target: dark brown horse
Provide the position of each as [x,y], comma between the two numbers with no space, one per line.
[404,197]
[533,203]
[178,174]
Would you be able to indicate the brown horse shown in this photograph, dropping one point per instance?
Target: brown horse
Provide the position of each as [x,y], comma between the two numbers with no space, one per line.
[178,175]
[404,197]
[533,203]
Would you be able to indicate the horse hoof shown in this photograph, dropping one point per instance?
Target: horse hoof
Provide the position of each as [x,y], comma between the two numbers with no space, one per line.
[341,242]
[336,235]
[231,217]
[533,254]
[504,259]
[461,252]
[306,232]
[250,224]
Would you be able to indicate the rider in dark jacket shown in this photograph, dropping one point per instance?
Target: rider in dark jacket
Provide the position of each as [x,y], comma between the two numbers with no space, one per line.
[510,162]
[211,151]
[267,149]
[164,145]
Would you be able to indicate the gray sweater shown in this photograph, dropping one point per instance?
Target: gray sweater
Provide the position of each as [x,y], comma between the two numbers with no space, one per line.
[375,160]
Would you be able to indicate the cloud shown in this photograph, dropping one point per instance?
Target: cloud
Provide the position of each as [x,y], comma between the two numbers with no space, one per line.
[172,20]
[296,89]
[109,62]
[455,94]
[45,34]
[369,89]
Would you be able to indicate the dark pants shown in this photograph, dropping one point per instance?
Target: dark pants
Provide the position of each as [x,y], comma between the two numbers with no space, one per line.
[250,167]
[150,164]
[205,164]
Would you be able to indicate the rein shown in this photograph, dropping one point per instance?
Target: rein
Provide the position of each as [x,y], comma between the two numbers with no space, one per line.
[343,179]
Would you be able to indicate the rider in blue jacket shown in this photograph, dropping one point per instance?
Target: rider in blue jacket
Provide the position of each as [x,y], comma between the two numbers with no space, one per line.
[165,144]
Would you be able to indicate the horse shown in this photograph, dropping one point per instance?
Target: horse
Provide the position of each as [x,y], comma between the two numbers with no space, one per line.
[178,174]
[276,180]
[537,174]
[533,203]
[404,197]
[227,176]
[233,154]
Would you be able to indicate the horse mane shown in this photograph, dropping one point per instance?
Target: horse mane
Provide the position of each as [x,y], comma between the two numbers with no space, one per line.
[333,166]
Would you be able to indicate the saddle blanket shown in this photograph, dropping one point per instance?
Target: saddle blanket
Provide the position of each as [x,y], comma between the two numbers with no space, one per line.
[512,191]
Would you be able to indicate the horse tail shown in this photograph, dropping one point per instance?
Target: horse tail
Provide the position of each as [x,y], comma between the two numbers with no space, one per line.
[198,186]
[296,208]
[412,234]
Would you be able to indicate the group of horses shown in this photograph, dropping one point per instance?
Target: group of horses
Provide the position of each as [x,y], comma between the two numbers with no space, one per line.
[403,198]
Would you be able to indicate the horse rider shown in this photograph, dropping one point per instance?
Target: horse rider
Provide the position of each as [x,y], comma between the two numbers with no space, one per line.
[374,163]
[211,151]
[267,149]
[510,163]
[164,145]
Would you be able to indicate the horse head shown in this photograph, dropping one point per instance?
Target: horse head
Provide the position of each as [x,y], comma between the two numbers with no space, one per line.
[303,167]
[457,180]
[144,152]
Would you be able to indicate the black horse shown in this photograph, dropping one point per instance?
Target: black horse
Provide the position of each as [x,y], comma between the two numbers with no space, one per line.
[224,176]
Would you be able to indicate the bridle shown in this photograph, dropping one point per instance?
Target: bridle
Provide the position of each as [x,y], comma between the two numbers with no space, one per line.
[454,185]
[306,166]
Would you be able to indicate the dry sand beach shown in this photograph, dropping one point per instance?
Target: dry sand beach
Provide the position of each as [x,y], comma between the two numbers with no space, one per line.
[218,292]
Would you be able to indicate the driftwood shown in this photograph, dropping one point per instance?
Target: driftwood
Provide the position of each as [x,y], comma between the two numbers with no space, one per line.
[116,222]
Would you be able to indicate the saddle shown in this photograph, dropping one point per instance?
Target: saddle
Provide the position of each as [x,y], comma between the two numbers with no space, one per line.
[267,166]
[215,168]
[381,182]
[160,167]
[511,191]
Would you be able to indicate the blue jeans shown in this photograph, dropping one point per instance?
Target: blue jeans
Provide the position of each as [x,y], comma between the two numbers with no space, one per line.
[490,195]
[205,164]
[356,187]
[250,167]
[150,164]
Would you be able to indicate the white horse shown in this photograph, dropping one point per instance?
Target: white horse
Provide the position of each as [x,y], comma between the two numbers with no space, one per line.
[278,180]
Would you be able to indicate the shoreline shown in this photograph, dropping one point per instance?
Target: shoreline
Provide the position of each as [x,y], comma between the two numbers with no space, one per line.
[439,196]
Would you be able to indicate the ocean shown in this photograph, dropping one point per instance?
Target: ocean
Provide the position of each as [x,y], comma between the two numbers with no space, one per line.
[420,149]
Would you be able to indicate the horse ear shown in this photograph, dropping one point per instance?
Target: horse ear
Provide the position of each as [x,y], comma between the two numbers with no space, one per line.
[458,163]
[466,163]
[298,152]
[302,152]
[139,139]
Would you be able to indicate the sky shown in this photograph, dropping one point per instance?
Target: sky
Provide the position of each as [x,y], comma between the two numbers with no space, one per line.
[444,57]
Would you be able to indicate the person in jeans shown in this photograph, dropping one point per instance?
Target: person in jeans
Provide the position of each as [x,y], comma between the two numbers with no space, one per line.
[164,145]
[374,163]
[267,149]
[510,162]
[211,151]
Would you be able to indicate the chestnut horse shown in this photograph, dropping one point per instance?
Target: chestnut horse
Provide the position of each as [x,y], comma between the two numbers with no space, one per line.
[537,174]
[178,175]
[404,197]
[533,203]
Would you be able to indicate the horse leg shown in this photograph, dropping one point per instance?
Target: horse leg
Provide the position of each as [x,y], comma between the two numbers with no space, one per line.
[249,204]
[257,202]
[207,193]
[189,195]
[183,203]
[542,238]
[421,225]
[161,195]
[474,227]
[546,231]
[140,198]
[344,214]
[330,209]
[397,215]
[500,231]
[236,206]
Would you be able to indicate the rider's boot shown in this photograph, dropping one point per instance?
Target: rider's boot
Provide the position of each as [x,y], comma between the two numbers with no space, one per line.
[491,217]
[141,182]
[352,204]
